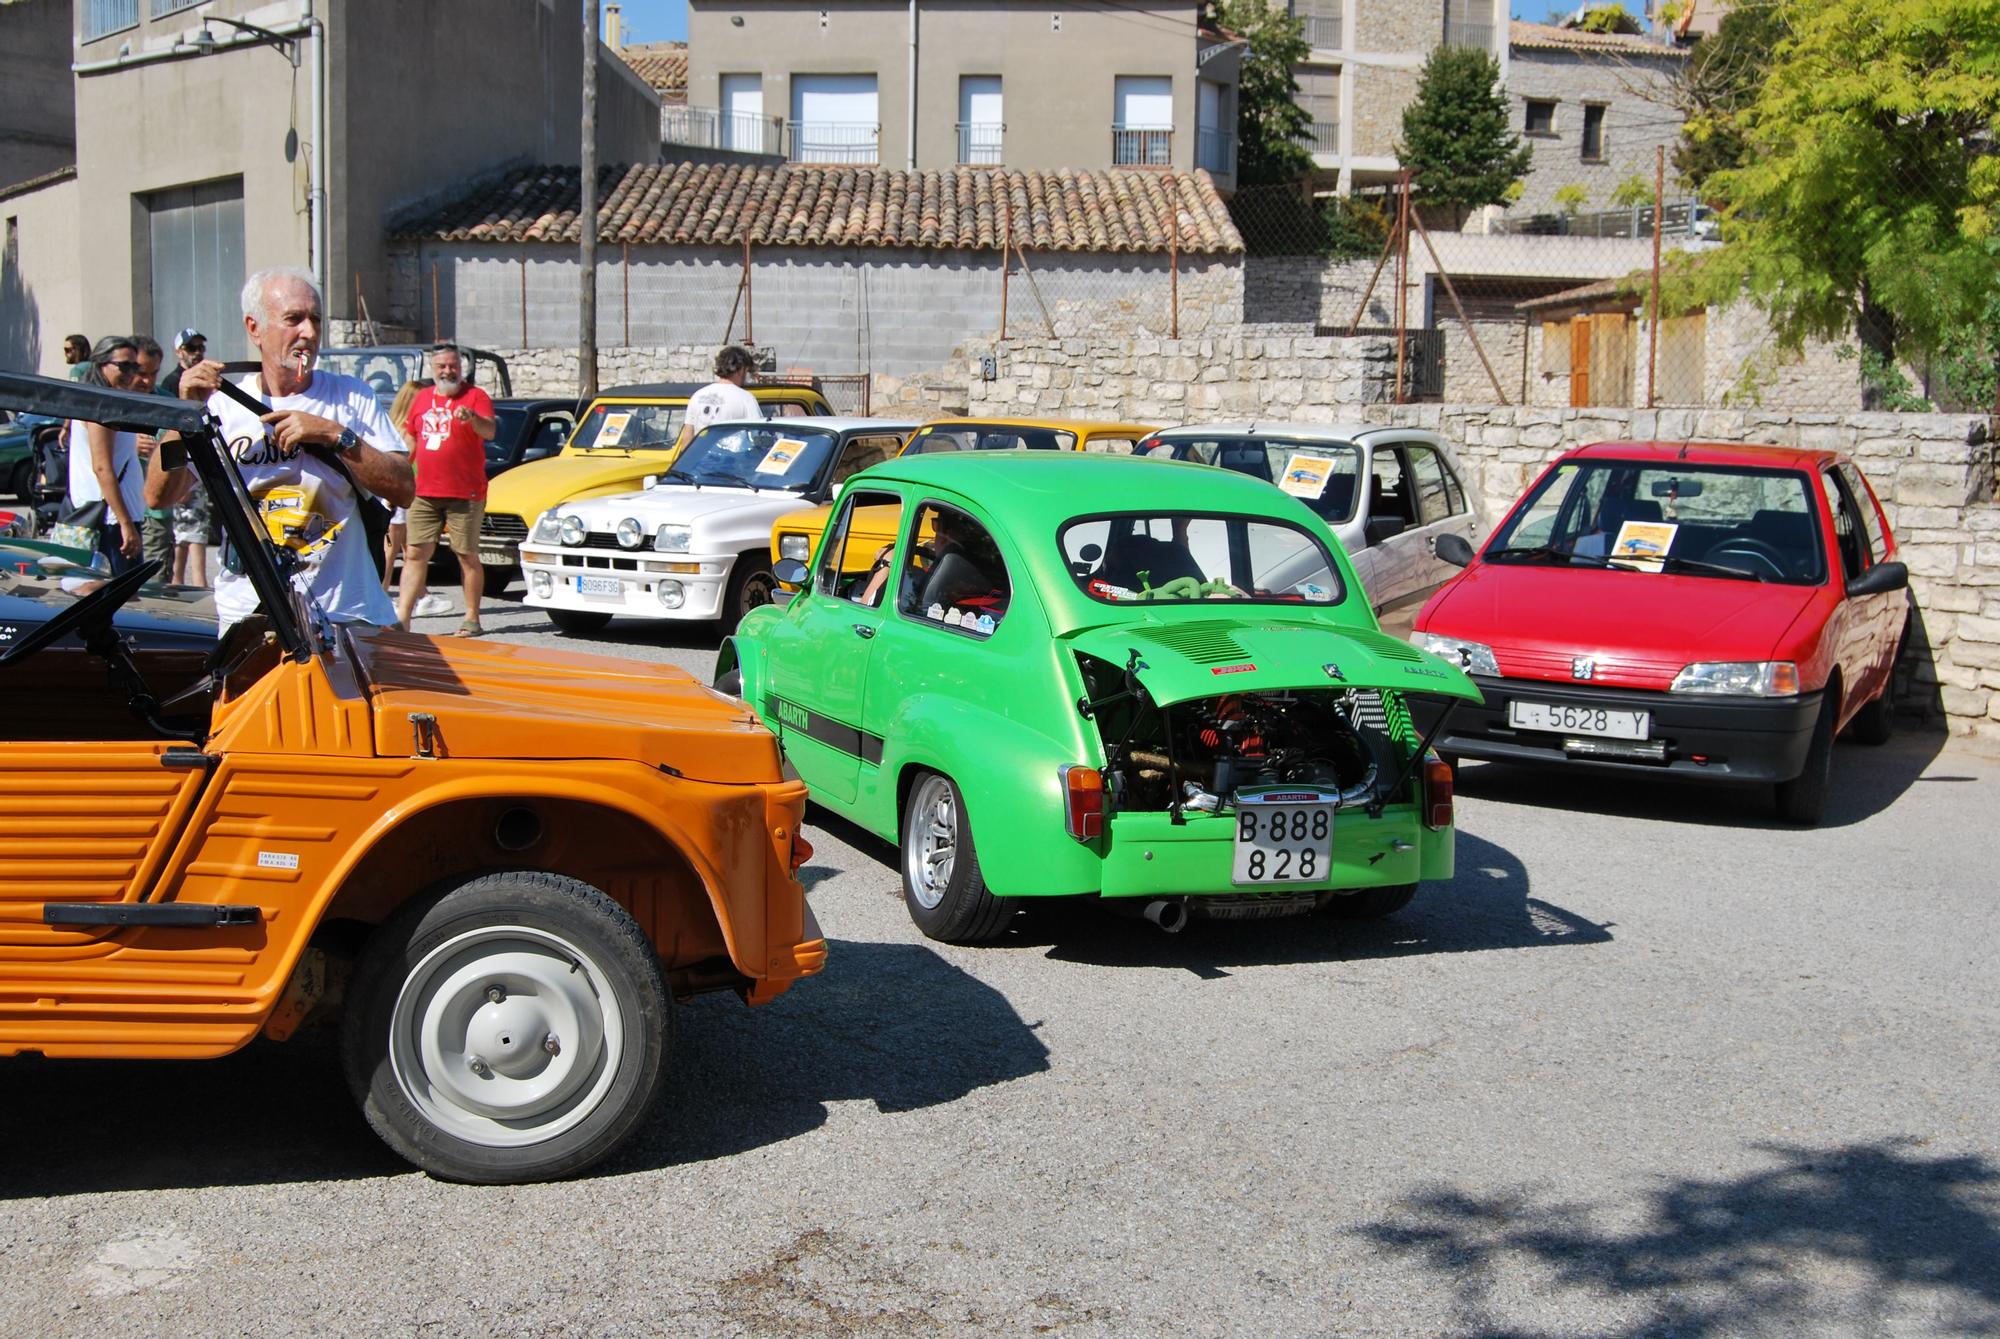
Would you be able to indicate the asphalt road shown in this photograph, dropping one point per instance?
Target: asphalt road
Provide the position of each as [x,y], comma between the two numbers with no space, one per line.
[1650,1065]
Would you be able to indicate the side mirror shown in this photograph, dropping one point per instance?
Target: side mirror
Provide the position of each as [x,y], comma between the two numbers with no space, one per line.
[1879,580]
[790,571]
[1453,549]
[1380,528]
[650,481]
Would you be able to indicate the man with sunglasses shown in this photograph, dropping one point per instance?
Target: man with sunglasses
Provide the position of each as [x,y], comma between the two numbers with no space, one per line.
[190,347]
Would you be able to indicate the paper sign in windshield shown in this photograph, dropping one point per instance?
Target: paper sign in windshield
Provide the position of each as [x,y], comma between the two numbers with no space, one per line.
[613,429]
[1643,544]
[1306,476]
[784,453]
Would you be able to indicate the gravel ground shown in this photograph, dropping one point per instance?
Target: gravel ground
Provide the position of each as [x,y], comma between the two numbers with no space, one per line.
[1650,1065]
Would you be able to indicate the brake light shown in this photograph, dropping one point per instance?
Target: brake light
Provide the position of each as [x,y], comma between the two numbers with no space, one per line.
[1437,792]
[1083,802]
[802,851]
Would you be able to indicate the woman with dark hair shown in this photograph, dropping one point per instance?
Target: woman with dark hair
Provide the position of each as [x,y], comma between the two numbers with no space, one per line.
[111,469]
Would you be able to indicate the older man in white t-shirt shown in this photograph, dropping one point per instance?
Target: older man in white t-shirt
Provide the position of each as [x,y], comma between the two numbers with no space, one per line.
[723,400]
[306,502]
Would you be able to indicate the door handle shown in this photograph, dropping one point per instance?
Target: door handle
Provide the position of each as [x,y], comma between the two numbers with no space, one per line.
[864,630]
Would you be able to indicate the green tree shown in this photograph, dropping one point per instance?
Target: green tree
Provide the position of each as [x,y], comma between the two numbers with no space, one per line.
[1868,195]
[1457,143]
[1634,190]
[1571,198]
[1716,84]
[1609,19]
[1271,125]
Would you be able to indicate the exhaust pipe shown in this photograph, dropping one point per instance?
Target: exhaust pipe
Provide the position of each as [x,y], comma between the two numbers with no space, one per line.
[1170,914]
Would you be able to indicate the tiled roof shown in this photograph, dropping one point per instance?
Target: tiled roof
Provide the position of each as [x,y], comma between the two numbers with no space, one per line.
[664,65]
[718,204]
[1548,37]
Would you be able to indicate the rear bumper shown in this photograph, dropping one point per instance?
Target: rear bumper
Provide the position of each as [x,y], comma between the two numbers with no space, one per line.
[1148,855]
[1719,738]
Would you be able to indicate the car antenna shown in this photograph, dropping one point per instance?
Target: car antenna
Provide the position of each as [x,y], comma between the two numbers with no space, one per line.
[1684,450]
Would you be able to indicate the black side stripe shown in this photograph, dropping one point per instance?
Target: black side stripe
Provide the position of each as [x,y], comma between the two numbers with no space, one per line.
[823,730]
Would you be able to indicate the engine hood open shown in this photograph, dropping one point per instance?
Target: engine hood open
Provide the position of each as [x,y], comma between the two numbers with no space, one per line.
[494,700]
[1182,661]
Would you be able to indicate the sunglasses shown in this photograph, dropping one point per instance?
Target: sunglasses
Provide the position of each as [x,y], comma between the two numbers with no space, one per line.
[128,366]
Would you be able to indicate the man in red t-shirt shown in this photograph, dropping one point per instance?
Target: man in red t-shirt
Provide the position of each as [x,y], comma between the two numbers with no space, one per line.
[449,425]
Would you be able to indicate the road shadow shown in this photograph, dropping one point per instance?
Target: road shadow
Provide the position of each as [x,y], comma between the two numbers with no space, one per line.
[1867,781]
[1860,1238]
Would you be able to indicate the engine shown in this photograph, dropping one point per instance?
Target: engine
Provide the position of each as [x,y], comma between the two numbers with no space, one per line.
[1221,744]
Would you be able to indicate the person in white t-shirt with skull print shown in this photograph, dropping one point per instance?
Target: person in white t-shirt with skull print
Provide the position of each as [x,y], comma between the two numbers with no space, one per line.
[306,502]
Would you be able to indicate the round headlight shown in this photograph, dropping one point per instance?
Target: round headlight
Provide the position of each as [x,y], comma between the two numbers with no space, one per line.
[545,585]
[573,530]
[630,533]
[670,593]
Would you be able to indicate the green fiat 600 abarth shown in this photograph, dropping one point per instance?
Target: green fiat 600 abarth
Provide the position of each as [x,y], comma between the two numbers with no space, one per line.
[1075,675]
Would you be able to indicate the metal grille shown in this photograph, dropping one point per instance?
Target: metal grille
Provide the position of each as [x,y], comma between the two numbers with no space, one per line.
[503,525]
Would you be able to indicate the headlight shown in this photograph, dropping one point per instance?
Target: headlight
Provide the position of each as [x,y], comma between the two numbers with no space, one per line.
[630,533]
[1472,657]
[796,547]
[544,584]
[549,528]
[673,538]
[670,594]
[1741,678]
[573,530]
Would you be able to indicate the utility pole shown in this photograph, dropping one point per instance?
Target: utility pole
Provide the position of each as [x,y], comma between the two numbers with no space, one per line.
[586,369]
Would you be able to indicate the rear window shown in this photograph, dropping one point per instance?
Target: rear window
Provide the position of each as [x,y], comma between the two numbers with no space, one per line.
[1323,475]
[1187,557]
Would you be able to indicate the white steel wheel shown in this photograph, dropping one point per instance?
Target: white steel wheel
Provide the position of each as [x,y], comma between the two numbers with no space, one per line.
[943,887]
[513,1028]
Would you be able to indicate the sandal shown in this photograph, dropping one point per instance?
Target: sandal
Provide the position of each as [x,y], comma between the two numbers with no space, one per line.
[470,628]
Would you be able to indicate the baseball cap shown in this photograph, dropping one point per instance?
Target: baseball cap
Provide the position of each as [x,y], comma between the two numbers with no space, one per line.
[189,336]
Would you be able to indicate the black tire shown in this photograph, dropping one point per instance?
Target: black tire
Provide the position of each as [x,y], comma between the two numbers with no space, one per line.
[750,585]
[1369,904]
[600,967]
[578,622]
[959,909]
[1875,723]
[21,483]
[1802,800]
[730,683]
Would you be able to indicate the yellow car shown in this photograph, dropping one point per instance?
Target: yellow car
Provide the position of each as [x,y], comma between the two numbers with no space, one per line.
[628,433]
[796,535]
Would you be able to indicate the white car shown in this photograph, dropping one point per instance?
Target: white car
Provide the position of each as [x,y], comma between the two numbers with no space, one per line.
[695,543]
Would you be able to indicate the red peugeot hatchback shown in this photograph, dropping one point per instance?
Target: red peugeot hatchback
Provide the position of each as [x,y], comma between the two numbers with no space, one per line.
[1709,611]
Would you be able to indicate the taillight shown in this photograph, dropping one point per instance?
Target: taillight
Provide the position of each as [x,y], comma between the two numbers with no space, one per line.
[1083,802]
[1437,792]
[802,851]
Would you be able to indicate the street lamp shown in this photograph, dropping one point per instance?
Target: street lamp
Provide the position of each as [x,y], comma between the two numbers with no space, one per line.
[204,42]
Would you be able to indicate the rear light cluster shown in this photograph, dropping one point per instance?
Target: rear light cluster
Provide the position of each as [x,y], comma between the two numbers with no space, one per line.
[1083,802]
[1437,792]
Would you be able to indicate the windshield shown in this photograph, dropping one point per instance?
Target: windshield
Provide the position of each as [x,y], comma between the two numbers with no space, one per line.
[510,418]
[787,456]
[1180,557]
[629,427]
[1323,475]
[1701,520]
[988,437]
[385,370]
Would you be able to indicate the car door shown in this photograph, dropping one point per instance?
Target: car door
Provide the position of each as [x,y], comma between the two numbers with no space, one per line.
[1386,567]
[1868,627]
[820,653]
[1442,510]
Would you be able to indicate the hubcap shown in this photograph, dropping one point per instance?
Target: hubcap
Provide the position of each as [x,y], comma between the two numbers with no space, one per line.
[505,1036]
[932,843]
[756,592]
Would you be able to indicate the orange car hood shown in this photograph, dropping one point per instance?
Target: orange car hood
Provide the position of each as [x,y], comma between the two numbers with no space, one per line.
[496,700]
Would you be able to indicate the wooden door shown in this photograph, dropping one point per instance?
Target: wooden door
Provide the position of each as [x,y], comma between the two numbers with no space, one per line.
[1579,361]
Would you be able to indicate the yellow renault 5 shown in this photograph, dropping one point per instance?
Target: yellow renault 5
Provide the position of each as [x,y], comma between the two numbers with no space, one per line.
[795,535]
[628,433]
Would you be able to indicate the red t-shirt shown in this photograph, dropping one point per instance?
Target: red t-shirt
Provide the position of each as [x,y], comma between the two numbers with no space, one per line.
[450,458]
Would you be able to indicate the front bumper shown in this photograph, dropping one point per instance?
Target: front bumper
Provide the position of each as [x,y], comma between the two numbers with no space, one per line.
[1721,738]
[625,584]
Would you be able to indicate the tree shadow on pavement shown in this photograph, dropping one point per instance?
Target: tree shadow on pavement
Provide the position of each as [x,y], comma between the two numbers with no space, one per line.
[1486,906]
[1861,1239]
[1866,782]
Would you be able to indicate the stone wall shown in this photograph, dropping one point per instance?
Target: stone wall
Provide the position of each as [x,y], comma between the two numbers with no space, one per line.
[1633,126]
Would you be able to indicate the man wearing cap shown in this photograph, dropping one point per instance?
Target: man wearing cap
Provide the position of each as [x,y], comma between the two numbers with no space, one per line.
[190,347]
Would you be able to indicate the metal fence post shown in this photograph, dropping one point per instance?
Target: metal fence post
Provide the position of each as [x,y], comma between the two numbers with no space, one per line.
[1174,270]
[1653,325]
[749,322]
[1006,245]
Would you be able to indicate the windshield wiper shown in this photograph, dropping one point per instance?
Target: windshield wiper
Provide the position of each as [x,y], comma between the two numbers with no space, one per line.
[1539,551]
[679,476]
[1713,569]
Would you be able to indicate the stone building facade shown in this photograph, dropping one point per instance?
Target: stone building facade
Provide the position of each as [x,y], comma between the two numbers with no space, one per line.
[1592,106]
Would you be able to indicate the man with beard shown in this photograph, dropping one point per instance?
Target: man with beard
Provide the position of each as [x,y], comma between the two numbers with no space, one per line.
[450,423]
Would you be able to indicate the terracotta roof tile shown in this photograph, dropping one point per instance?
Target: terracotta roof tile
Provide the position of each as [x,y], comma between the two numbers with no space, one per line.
[664,65]
[1548,37]
[718,204]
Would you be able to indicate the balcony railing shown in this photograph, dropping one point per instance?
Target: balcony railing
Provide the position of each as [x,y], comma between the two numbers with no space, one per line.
[1215,151]
[708,128]
[1323,31]
[1322,137]
[1142,146]
[979,142]
[1461,32]
[835,141]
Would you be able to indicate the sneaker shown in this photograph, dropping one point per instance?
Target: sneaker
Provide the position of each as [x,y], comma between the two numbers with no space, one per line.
[431,606]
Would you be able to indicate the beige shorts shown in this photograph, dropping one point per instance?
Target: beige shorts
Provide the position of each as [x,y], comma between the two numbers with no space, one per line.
[456,517]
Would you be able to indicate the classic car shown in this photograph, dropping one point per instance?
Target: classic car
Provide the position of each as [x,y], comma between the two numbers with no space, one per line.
[18,434]
[497,865]
[529,430]
[694,544]
[1415,493]
[1138,680]
[1719,612]
[627,433]
[795,534]
[385,367]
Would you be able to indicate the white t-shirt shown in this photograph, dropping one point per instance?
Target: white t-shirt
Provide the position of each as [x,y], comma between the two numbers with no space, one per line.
[307,504]
[125,463]
[721,402]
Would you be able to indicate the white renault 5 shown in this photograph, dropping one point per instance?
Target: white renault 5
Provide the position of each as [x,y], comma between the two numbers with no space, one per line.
[695,543]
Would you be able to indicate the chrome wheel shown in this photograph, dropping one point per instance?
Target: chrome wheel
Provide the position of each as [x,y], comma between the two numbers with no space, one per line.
[506,1036]
[933,844]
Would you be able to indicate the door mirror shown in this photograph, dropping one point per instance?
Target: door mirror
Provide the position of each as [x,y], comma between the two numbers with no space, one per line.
[790,571]
[1879,580]
[1380,528]
[1453,549]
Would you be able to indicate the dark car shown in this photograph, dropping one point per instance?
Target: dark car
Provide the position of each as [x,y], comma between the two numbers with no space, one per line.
[385,367]
[529,430]
[20,437]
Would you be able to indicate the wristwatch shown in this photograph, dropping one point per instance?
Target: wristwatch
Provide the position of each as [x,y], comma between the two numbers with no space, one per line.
[350,441]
